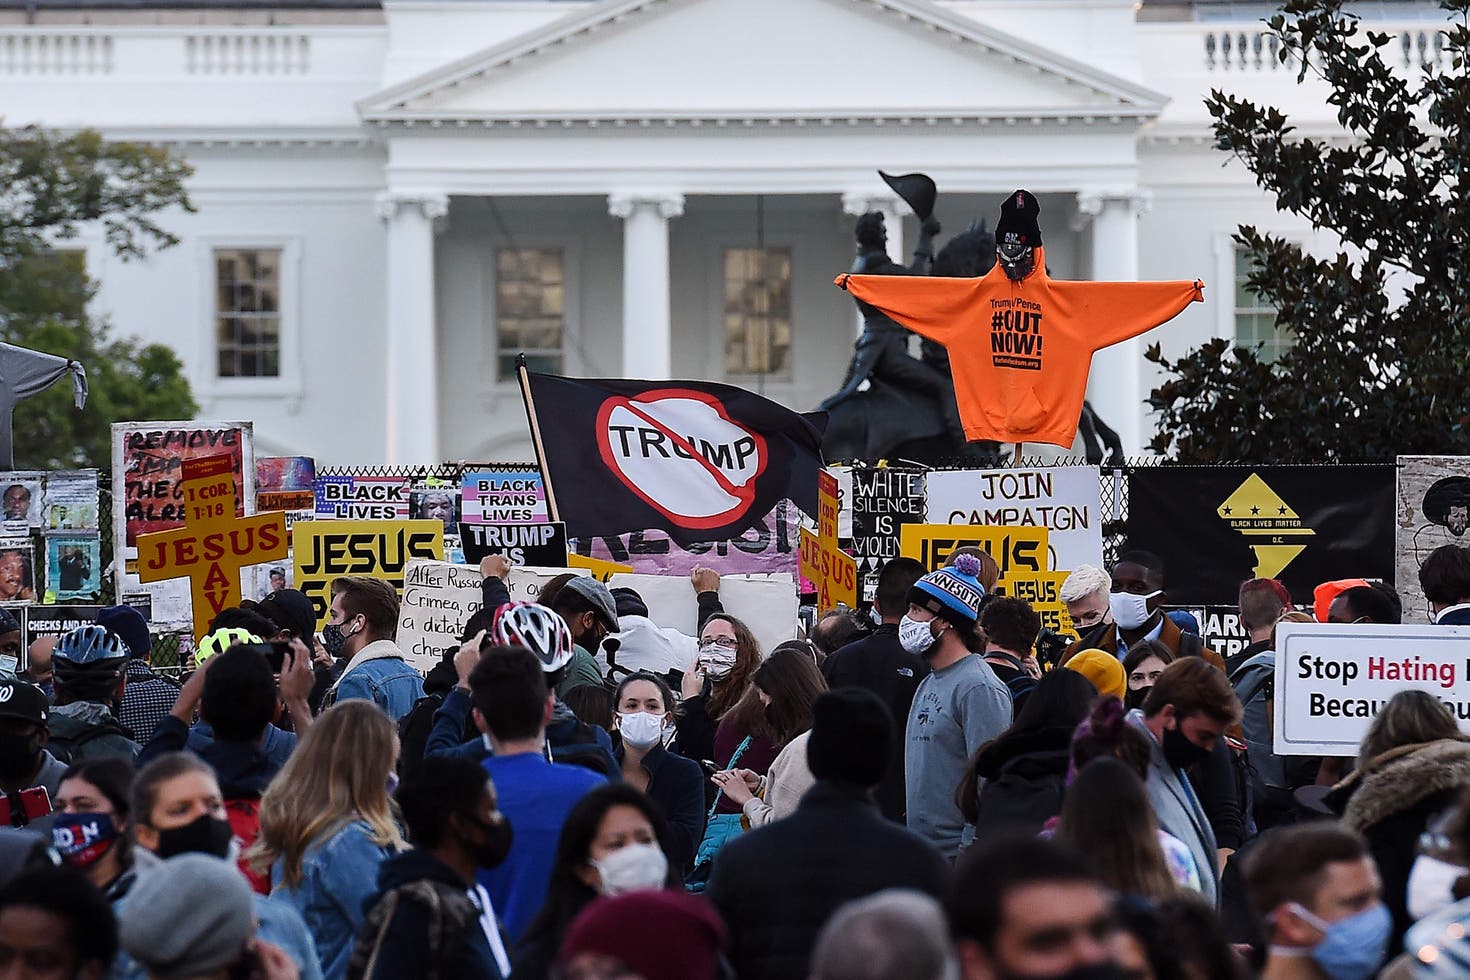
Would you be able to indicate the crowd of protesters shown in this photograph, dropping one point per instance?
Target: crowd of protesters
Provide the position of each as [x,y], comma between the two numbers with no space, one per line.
[578,792]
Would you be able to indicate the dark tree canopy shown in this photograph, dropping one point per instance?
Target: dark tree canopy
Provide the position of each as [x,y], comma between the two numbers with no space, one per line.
[1381,330]
[55,185]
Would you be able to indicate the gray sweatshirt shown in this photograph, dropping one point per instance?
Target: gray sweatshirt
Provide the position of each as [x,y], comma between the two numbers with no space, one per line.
[956,710]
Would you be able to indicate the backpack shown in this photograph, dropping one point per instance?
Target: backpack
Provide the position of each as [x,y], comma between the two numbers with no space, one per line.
[1255,686]
[448,916]
[414,729]
[1020,685]
[579,747]
[244,817]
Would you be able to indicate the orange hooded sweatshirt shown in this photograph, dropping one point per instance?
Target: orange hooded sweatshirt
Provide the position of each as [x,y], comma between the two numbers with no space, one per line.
[1021,351]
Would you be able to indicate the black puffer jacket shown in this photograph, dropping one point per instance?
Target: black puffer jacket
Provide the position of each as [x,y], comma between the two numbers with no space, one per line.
[776,886]
[1024,776]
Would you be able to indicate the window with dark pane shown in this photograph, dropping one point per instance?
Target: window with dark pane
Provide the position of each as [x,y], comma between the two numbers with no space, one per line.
[530,308]
[757,311]
[248,312]
[1255,319]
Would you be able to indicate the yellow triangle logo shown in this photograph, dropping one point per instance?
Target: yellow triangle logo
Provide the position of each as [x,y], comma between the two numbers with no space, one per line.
[1271,559]
[1254,508]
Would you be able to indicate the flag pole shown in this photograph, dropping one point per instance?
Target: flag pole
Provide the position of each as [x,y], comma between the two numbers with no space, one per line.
[525,381]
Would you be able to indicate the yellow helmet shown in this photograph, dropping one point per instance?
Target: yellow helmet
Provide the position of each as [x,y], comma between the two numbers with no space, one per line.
[221,640]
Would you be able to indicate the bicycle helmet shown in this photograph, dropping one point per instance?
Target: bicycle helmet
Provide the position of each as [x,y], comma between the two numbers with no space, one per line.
[221,640]
[88,646]
[536,628]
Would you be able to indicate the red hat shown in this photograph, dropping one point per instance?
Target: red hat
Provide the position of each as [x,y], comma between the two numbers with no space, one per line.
[1272,584]
[660,935]
[1323,594]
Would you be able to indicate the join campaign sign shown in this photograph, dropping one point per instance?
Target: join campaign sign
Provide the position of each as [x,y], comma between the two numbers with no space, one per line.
[1332,679]
[1062,499]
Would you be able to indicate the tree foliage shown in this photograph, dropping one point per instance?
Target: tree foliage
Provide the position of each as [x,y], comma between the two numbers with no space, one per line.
[51,186]
[1382,328]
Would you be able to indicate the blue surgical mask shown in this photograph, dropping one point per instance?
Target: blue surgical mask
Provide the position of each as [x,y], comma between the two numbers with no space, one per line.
[1351,948]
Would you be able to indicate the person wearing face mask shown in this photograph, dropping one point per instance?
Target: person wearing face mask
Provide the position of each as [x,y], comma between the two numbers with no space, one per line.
[591,613]
[178,809]
[645,716]
[364,614]
[614,841]
[1135,612]
[1317,893]
[29,775]
[880,664]
[958,708]
[429,918]
[1142,667]
[90,827]
[1021,908]
[1185,715]
[728,655]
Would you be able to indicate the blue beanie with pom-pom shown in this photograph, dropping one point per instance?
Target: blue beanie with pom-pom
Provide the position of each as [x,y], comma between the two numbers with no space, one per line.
[954,593]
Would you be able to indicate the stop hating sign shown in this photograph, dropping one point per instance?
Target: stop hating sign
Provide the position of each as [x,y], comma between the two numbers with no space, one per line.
[682,454]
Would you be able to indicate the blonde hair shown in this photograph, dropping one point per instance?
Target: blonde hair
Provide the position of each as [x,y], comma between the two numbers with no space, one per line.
[1084,581]
[338,774]
[1409,718]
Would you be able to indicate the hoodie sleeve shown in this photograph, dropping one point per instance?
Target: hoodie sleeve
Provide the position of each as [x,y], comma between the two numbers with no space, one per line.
[940,308]
[1101,314]
[494,593]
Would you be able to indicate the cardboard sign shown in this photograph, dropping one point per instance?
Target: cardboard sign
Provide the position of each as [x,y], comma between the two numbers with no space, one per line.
[438,599]
[148,496]
[772,546]
[325,550]
[523,544]
[1062,499]
[884,499]
[214,544]
[503,495]
[1021,553]
[1332,679]
[826,566]
[765,603]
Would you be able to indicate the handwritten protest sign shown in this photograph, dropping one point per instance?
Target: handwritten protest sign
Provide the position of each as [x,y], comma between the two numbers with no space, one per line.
[1332,679]
[147,480]
[438,599]
[825,565]
[765,603]
[324,550]
[214,544]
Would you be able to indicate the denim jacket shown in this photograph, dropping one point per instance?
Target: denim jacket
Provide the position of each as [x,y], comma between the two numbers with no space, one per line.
[338,874]
[378,673]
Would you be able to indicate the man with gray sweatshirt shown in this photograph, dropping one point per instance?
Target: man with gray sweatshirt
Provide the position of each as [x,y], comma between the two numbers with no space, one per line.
[959,707]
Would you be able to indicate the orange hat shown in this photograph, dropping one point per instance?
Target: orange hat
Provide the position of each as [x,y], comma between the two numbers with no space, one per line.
[1323,594]
[1103,670]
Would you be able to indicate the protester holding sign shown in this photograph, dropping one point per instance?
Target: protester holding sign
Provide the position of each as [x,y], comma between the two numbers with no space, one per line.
[728,656]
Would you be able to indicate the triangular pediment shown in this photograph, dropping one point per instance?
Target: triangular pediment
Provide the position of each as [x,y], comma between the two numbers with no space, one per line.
[692,60]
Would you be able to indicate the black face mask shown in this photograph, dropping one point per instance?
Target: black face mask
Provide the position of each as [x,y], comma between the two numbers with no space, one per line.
[204,835]
[1179,751]
[492,850]
[1135,699]
[1096,971]
[18,754]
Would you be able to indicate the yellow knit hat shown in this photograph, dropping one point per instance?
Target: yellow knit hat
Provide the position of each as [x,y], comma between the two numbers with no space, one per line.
[1104,671]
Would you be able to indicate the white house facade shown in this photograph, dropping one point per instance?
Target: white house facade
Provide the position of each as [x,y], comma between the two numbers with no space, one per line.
[393,200]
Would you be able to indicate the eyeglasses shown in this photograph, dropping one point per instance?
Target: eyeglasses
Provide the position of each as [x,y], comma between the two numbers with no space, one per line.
[728,642]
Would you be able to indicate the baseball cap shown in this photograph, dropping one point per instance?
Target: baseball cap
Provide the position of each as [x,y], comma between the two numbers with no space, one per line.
[596,593]
[289,609]
[24,701]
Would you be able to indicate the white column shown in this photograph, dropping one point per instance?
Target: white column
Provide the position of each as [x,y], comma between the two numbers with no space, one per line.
[859,203]
[647,329]
[1115,386]
[412,348]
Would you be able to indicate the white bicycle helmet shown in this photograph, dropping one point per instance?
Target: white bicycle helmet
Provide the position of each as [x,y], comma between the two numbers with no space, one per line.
[536,628]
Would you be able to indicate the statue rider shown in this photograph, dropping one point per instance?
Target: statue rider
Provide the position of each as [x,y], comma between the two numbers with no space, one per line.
[882,352]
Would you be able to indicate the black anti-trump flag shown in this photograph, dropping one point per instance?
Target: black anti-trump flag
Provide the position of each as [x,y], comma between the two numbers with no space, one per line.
[699,461]
[1216,526]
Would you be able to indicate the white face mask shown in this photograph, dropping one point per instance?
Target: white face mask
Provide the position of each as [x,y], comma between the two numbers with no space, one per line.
[1430,884]
[641,729]
[632,868]
[1130,611]
[915,637]
[717,661]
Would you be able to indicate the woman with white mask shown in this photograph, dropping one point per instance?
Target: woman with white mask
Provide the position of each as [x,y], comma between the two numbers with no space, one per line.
[612,843]
[645,719]
[728,656]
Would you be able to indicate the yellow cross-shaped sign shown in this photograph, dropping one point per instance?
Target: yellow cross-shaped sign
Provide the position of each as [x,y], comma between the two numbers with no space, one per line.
[832,570]
[214,543]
